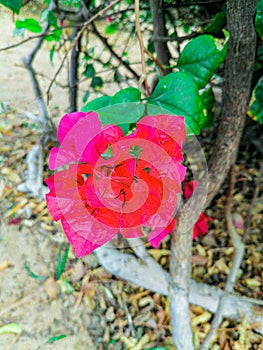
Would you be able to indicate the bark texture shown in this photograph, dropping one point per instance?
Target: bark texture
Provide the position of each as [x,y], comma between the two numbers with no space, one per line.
[236,90]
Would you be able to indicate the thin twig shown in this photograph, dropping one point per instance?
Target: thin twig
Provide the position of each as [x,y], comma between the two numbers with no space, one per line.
[21,42]
[49,32]
[105,42]
[143,79]
[129,317]
[89,21]
[56,74]
[179,39]
[252,203]
[154,59]
[237,260]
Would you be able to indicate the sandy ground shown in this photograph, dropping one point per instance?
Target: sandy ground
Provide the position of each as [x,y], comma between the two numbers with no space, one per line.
[14,80]
[23,300]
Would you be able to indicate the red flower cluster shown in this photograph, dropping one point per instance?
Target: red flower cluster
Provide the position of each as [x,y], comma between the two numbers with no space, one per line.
[115,183]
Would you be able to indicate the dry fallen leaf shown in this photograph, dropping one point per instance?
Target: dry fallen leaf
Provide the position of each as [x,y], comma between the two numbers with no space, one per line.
[51,287]
[203,318]
[199,260]
[3,265]
[78,271]
[253,283]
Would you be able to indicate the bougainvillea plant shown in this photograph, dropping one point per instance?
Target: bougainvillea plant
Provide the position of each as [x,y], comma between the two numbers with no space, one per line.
[115,182]
[121,156]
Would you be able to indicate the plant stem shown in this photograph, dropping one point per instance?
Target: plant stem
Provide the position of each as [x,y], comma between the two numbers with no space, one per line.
[180,275]
[143,79]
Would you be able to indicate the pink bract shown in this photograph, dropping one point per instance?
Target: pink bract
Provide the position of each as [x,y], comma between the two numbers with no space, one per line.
[201,225]
[115,183]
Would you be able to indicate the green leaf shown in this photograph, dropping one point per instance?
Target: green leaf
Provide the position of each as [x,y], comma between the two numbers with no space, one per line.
[259,18]
[177,94]
[61,260]
[108,153]
[96,83]
[129,94]
[54,339]
[14,5]
[52,19]
[51,53]
[30,24]
[111,28]
[96,104]
[55,36]
[121,109]
[150,47]
[117,76]
[256,103]
[217,24]
[124,113]
[89,71]
[201,57]
[208,101]
[32,274]
[11,328]
[135,151]
[86,96]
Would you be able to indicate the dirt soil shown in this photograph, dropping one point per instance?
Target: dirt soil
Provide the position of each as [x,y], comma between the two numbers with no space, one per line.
[87,308]
[24,300]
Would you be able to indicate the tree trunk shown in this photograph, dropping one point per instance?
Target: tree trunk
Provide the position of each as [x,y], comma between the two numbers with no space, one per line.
[236,90]
[159,30]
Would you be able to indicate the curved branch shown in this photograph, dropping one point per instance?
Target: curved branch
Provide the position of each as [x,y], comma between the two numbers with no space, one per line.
[150,275]
[28,60]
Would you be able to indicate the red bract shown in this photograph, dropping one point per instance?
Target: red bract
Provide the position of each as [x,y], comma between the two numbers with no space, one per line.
[201,226]
[115,183]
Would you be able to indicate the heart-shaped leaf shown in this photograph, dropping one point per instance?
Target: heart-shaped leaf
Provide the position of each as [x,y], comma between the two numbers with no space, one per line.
[14,5]
[201,57]
[178,94]
[122,109]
